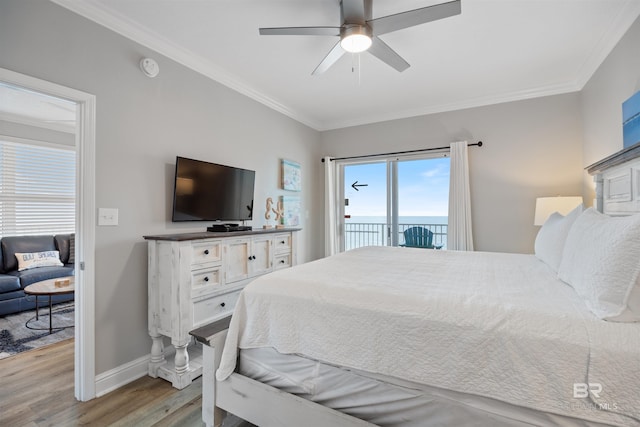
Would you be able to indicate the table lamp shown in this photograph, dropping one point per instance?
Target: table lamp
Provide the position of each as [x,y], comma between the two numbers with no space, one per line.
[545,206]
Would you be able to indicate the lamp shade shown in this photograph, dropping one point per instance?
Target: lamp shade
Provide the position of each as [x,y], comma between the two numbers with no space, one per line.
[545,206]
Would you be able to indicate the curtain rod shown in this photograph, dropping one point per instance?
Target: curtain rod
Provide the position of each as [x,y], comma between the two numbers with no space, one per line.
[478,144]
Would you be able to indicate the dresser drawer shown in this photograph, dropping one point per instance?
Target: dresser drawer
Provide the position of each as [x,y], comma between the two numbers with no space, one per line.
[282,243]
[205,281]
[202,253]
[281,261]
[208,309]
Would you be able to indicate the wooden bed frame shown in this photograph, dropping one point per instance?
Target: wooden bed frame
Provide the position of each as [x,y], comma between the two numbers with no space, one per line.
[618,193]
[252,400]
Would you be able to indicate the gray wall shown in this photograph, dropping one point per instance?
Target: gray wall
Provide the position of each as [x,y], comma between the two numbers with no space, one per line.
[532,149]
[615,81]
[142,124]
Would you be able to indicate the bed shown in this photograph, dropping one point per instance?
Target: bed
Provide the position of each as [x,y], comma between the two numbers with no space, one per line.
[408,337]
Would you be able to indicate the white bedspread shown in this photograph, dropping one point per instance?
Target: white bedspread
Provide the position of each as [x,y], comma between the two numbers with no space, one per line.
[491,324]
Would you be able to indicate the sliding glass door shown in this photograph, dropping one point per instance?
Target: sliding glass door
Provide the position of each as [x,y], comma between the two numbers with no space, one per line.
[384,198]
[423,197]
[365,205]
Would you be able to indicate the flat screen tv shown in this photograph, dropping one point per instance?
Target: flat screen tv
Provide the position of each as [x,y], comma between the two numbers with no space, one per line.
[206,191]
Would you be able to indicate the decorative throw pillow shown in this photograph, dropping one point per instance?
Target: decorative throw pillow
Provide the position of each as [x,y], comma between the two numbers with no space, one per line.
[551,238]
[601,260]
[38,259]
[72,250]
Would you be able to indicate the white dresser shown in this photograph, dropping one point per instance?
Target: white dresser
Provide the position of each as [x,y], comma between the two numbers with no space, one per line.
[194,279]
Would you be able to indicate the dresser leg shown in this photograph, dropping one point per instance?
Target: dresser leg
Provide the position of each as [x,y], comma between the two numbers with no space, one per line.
[182,359]
[182,375]
[157,355]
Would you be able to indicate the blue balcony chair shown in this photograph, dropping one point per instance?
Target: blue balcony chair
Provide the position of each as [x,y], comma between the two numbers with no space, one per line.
[419,237]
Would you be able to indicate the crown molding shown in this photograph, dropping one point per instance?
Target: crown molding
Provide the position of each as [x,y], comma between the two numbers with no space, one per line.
[521,95]
[120,24]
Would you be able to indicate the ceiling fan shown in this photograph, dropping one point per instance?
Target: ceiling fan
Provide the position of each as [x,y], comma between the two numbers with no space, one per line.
[359,31]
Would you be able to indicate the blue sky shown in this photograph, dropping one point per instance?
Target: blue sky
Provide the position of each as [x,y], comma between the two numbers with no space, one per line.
[423,188]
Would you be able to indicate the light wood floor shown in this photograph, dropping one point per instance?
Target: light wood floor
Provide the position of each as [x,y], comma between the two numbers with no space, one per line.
[36,389]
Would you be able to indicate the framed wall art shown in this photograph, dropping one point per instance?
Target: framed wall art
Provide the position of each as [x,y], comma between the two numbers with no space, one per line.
[631,120]
[291,207]
[291,175]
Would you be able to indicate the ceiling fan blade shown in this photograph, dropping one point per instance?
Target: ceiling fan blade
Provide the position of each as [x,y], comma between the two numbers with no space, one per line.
[300,31]
[355,11]
[387,24]
[383,52]
[331,58]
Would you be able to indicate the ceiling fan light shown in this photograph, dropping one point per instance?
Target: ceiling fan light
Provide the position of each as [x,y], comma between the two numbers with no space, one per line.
[355,43]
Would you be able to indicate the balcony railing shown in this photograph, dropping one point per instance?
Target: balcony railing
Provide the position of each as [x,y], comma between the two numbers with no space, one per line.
[358,234]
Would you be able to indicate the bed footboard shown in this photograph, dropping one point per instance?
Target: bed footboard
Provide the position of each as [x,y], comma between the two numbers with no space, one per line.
[212,337]
[252,400]
[267,406]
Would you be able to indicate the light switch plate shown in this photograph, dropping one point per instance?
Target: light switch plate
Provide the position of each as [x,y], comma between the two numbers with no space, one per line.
[107,216]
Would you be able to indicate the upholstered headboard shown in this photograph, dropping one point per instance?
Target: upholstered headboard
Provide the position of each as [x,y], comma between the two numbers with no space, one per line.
[617,180]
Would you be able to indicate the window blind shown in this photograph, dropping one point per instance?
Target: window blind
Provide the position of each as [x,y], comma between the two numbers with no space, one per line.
[37,188]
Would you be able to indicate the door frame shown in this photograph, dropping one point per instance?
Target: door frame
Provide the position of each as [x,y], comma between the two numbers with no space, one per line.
[84,350]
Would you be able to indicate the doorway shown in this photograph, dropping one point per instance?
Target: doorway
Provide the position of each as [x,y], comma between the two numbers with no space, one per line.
[383,198]
[84,359]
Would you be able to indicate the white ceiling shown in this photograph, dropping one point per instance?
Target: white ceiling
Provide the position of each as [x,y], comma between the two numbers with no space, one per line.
[495,51]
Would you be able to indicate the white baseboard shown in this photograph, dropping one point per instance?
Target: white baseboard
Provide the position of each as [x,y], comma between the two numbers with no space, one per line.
[122,375]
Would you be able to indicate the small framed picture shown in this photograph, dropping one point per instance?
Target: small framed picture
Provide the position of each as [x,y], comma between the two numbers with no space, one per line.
[291,207]
[291,176]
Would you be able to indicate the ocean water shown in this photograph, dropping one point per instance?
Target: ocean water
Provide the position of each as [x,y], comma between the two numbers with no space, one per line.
[401,219]
[372,230]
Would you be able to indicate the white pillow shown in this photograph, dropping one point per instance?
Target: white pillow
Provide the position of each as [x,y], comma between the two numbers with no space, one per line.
[38,259]
[601,260]
[552,236]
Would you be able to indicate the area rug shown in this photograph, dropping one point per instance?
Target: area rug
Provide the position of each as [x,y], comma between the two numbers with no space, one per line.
[15,337]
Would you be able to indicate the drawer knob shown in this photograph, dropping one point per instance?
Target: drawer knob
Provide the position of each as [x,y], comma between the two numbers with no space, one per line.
[282,242]
[206,278]
[222,304]
[281,261]
[206,251]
